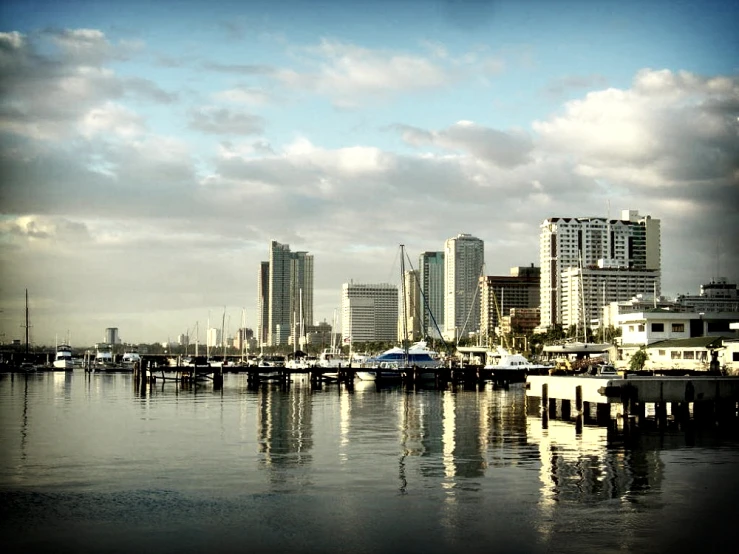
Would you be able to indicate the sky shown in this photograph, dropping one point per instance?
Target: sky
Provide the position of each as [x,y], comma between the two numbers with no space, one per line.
[151,150]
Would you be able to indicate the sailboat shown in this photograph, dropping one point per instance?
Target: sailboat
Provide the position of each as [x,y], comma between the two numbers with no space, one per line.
[27,364]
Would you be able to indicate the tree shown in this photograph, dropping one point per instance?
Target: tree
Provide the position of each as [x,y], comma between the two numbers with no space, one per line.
[638,360]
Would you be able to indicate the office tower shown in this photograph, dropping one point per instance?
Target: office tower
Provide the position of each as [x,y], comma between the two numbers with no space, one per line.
[499,294]
[213,337]
[632,242]
[410,308]
[263,304]
[111,335]
[290,279]
[464,258]
[369,312]
[431,278]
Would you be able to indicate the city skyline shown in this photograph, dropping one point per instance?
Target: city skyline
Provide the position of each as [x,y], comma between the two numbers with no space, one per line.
[148,160]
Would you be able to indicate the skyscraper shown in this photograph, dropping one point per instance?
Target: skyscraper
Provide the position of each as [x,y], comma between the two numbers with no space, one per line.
[499,294]
[431,278]
[369,312]
[290,284]
[464,258]
[632,242]
[263,304]
[410,308]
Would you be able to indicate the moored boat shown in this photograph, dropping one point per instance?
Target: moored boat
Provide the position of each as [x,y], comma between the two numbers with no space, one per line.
[512,367]
[63,358]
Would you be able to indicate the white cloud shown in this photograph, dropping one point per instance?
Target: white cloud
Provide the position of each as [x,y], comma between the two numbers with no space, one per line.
[111,118]
[222,121]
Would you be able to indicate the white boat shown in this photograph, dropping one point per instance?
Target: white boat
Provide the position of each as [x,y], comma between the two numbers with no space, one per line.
[509,366]
[130,359]
[63,358]
[391,363]
[104,358]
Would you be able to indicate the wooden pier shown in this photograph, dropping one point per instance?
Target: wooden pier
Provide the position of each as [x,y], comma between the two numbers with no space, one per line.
[710,398]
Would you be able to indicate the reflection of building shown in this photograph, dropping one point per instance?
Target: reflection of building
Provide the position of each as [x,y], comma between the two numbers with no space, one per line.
[284,429]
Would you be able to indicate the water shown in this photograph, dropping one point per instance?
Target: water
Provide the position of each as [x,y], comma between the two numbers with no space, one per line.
[89,464]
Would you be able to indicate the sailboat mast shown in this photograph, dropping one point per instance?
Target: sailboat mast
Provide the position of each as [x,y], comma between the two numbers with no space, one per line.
[27,324]
[404,312]
[223,333]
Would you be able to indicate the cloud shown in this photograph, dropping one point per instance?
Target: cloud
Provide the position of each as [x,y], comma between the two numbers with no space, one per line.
[222,121]
[44,228]
[502,148]
[351,74]
[574,83]
[45,96]
[245,95]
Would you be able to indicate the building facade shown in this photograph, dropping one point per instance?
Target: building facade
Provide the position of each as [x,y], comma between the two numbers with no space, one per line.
[464,259]
[263,304]
[369,312]
[499,294]
[632,242]
[716,296]
[585,292]
[290,290]
[410,308]
[431,278]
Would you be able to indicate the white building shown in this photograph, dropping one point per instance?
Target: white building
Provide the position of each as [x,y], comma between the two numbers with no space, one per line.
[584,292]
[717,296]
[369,312]
[632,242]
[464,258]
[213,337]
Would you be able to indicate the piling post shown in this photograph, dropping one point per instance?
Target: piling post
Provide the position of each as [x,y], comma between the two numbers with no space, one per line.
[566,408]
[578,399]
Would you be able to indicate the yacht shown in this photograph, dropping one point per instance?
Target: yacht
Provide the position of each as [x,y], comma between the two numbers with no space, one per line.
[508,366]
[389,364]
[130,359]
[63,358]
[104,358]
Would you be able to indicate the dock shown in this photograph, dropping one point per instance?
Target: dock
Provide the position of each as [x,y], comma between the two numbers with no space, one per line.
[710,397]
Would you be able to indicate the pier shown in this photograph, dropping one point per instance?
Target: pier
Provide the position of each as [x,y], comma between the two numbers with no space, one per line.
[702,398]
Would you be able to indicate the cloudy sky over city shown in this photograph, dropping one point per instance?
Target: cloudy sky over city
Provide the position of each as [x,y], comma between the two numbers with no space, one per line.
[151,150]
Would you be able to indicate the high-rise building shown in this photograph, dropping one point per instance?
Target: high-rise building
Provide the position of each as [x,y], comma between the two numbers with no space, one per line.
[213,337]
[585,291]
[632,242]
[431,278]
[111,335]
[717,296]
[464,258]
[410,308]
[290,286]
[263,304]
[499,294]
[369,312]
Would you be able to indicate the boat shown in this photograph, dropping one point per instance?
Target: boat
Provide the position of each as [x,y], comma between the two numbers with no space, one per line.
[391,363]
[104,360]
[130,359]
[63,357]
[510,367]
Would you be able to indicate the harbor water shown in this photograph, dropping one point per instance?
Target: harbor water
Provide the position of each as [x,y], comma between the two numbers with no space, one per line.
[92,463]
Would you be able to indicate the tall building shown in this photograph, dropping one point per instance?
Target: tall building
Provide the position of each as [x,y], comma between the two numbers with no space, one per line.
[290,285]
[632,242]
[410,308]
[213,337]
[369,312]
[263,304]
[111,335]
[431,278]
[585,291]
[464,258]
[520,289]
[717,296]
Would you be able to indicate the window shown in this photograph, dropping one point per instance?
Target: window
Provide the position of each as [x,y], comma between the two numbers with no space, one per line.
[631,328]
[641,328]
[658,327]
[688,355]
[678,327]
[675,354]
[661,352]
[735,356]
